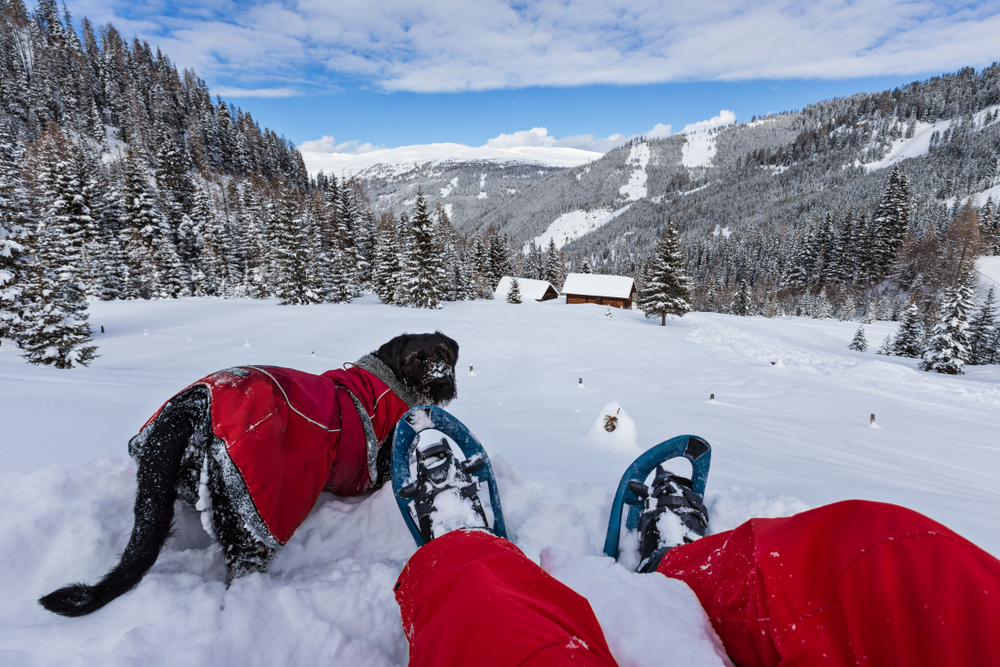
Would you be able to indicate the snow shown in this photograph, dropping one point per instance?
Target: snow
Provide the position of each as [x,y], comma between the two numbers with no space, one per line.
[725,231]
[530,288]
[623,437]
[595,284]
[785,437]
[698,150]
[571,226]
[919,143]
[915,146]
[636,186]
[390,162]
[451,186]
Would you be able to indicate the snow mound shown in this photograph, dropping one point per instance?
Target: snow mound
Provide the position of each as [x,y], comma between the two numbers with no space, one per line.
[622,438]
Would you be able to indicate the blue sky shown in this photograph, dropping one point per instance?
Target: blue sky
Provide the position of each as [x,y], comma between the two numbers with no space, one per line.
[590,72]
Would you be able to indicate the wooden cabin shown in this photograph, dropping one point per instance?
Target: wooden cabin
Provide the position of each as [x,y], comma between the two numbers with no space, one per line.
[615,291]
[539,290]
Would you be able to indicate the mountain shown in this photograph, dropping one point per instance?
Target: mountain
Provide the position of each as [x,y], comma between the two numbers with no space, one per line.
[746,197]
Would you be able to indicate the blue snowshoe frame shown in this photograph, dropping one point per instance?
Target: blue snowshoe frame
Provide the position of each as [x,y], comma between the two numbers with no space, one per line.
[692,447]
[408,430]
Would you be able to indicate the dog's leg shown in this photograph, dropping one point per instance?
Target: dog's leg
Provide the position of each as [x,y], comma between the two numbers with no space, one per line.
[156,482]
[242,552]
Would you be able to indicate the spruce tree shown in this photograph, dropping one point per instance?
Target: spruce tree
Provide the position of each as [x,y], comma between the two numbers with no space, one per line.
[514,293]
[53,327]
[949,348]
[667,288]
[13,234]
[909,339]
[293,254]
[982,332]
[423,272]
[859,342]
[386,274]
[140,223]
[742,303]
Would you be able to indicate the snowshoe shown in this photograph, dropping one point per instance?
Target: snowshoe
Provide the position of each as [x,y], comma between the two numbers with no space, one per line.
[673,514]
[444,493]
[667,492]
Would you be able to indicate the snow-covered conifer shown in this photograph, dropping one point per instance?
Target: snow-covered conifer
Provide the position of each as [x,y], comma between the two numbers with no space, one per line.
[514,293]
[386,274]
[423,273]
[983,332]
[859,342]
[742,303]
[667,289]
[948,348]
[909,338]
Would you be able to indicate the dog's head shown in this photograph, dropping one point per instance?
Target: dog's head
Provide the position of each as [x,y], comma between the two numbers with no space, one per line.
[426,363]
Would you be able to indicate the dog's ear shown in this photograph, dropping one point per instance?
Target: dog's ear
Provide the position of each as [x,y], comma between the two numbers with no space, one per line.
[391,354]
[450,342]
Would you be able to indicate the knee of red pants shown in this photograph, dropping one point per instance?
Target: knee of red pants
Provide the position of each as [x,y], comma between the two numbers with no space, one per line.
[850,583]
[470,597]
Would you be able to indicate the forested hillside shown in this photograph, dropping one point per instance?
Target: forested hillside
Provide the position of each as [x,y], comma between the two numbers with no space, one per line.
[801,206]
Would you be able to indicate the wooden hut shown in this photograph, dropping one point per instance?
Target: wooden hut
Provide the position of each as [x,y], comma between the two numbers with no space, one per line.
[616,291]
[539,290]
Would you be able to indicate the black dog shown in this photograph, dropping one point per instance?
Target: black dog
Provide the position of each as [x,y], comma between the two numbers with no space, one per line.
[188,450]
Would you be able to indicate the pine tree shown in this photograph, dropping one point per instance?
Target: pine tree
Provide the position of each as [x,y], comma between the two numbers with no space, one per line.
[886,348]
[890,223]
[948,349]
[514,293]
[53,326]
[554,266]
[859,342]
[909,338]
[13,234]
[982,332]
[386,275]
[140,222]
[742,303]
[293,254]
[423,272]
[667,288]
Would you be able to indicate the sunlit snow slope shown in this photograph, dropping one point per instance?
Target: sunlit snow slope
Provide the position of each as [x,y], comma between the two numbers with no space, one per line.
[786,435]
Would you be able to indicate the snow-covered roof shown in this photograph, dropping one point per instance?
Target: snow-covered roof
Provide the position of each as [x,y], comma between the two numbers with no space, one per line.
[530,289]
[594,284]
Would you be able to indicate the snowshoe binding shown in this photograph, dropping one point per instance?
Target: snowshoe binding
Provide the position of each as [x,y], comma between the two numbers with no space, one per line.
[442,496]
[671,494]
[444,493]
[673,514]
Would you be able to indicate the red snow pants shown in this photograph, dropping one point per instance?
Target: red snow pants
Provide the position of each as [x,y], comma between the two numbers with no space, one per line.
[854,583]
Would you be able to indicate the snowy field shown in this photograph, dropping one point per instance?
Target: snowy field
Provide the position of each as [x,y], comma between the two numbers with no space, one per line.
[789,426]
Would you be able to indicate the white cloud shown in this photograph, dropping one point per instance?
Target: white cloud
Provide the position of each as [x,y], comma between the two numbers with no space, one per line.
[491,44]
[329,145]
[229,91]
[539,136]
[725,117]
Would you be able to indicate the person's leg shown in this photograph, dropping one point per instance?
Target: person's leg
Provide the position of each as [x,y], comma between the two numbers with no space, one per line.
[853,583]
[471,598]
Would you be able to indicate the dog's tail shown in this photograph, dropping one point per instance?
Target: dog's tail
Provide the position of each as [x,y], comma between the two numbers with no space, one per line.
[156,481]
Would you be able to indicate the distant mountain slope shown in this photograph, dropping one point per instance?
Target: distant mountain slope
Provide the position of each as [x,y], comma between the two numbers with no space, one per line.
[776,176]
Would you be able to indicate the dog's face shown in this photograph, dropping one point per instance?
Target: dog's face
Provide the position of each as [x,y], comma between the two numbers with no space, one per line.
[425,362]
